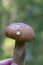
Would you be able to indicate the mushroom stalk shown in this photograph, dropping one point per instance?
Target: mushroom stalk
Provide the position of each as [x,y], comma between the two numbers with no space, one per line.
[19,53]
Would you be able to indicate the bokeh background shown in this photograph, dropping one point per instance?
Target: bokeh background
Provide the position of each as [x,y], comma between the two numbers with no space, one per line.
[29,12]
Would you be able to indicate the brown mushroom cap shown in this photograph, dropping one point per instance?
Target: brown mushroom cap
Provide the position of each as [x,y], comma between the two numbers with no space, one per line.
[20,31]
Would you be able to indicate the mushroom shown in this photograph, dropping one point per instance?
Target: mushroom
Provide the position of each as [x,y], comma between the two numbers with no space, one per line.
[21,33]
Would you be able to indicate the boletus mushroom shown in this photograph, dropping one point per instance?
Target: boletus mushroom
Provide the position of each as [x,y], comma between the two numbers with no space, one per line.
[21,33]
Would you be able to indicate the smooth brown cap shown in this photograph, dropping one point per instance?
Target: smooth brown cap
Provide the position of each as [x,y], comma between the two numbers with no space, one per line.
[20,31]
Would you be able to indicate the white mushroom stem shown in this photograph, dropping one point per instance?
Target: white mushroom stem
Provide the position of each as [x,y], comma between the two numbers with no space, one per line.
[19,53]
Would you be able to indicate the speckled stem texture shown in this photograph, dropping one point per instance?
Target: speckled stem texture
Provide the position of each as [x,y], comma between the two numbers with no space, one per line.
[19,53]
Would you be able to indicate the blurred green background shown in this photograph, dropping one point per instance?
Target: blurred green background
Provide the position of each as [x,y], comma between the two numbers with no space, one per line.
[29,12]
